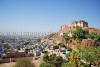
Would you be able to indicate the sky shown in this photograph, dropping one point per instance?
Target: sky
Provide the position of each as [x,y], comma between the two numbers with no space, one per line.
[46,15]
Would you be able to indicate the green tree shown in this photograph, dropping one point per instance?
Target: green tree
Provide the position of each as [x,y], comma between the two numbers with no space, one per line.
[61,45]
[66,36]
[26,43]
[66,65]
[74,59]
[91,55]
[24,63]
[51,35]
[51,58]
[79,33]
[95,37]
[46,57]
[6,46]
[69,49]
[35,47]
[59,59]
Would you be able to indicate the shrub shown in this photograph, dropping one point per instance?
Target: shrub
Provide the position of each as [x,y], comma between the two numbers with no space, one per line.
[95,37]
[46,57]
[65,36]
[61,45]
[51,61]
[79,33]
[6,46]
[65,65]
[51,35]
[51,58]
[69,49]
[26,43]
[59,59]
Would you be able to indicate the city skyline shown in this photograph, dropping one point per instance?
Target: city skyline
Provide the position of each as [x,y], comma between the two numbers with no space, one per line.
[46,15]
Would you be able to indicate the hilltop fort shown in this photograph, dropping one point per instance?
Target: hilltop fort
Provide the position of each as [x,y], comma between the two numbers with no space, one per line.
[73,25]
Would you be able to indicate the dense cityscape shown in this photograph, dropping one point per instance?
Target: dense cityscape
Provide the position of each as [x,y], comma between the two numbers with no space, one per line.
[76,43]
[49,33]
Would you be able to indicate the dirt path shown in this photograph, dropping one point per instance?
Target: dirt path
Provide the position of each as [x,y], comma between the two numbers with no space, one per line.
[37,62]
[7,64]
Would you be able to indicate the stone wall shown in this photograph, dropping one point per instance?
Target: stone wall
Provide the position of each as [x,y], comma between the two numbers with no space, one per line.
[88,42]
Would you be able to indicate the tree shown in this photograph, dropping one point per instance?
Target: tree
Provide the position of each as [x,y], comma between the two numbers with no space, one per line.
[66,36]
[52,60]
[46,57]
[26,43]
[95,37]
[35,47]
[74,59]
[24,63]
[51,35]
[91,55]
[66,65]
[79,33]
[69,49]
[61,45]
[59,59]
[6,46]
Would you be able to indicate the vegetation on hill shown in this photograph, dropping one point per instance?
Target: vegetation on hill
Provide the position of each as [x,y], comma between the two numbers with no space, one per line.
[51,35]
[54,60]
[46,57]
[79,33]
[66,36]
[83,57]
[95,37]
[61,45]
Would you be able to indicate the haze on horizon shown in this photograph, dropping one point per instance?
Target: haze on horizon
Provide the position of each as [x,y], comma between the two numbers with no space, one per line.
[46,15]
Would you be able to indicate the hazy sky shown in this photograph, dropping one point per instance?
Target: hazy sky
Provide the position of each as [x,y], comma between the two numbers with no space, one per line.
[46,15]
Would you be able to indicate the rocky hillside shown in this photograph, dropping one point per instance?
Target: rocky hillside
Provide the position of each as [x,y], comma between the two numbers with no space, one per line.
[68,28]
